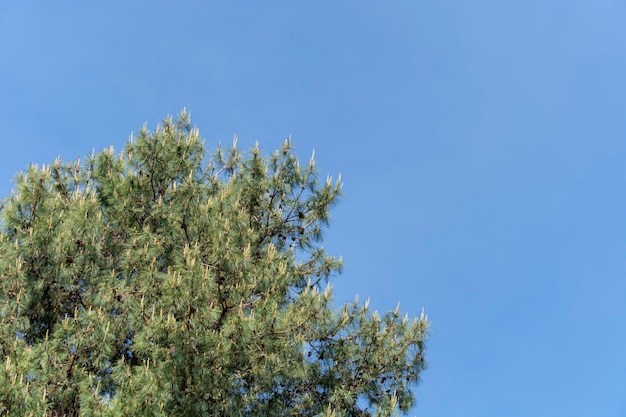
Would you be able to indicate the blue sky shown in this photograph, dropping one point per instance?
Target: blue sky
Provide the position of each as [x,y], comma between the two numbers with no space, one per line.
[481,144]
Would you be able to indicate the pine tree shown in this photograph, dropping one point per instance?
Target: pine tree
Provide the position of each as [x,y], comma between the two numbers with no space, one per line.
[159,282]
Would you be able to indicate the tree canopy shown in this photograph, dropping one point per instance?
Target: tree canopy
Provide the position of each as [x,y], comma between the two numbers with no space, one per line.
[163,282]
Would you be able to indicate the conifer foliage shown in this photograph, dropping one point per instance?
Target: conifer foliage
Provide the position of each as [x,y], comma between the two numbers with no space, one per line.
[160,282]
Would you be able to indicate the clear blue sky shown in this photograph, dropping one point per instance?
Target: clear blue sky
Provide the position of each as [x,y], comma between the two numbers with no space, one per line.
[482,145]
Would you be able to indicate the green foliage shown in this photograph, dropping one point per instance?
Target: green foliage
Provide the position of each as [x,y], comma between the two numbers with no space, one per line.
[162,283]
